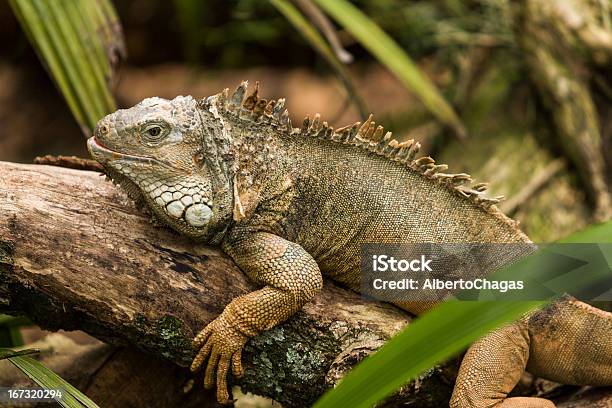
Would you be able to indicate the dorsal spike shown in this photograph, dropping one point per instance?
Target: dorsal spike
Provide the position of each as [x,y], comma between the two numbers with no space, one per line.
[259,108]
[383,141]
[412,152]
[463,190]
[328,131]
[444,177]
[354,130]
[305,125]
[343,129]
[238,96]
[480,187]
[406,143]
[436,170]
[256,90]
[348,133]
[251,100]
[278,108]
[315,125]
[391,146]
[404,149]
[286,121]
[269,108]
[319,131]
[369,135]
[461,179]
[424,161]
[363,130]
[222,98]
[378,133]
[487,201]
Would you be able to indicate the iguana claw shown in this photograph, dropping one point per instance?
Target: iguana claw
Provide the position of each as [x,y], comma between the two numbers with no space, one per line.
[222,345]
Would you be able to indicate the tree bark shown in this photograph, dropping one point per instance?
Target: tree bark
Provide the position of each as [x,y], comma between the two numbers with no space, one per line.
[76,254]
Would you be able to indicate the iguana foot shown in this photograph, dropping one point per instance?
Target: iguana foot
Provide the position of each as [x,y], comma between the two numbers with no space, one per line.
[222,345]
[491,368]
[525,402]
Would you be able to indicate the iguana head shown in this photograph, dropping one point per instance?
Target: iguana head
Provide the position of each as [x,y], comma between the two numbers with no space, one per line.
[155,151]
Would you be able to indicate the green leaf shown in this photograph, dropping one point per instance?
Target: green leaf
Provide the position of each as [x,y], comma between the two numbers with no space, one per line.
[75,40]
[316,41]
[436,336]
[14,321]
[10,330]
[375,40]
[10,336]
[41,375]
[600,233]
[7,353]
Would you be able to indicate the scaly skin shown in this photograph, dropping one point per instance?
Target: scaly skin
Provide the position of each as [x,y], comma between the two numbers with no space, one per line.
[291,205]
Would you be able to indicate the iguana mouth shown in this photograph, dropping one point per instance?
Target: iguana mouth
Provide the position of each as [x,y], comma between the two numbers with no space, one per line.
[104,154]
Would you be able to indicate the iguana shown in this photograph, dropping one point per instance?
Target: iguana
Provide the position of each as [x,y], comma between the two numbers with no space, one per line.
[291,205]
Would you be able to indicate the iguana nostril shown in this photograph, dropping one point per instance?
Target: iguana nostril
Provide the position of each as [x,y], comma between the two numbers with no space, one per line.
[102,129]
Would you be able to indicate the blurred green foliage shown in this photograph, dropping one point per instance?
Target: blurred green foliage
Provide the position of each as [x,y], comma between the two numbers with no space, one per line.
[10,333]
[239,33]
[77,42]
[392,56]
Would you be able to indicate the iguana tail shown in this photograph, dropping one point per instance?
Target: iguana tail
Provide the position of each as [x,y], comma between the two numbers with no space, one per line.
[569,342]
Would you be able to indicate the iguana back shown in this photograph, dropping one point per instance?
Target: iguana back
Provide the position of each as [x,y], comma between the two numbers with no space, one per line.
[345,194]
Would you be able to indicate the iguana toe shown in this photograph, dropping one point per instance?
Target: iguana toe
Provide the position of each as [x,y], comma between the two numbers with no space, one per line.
[221,348]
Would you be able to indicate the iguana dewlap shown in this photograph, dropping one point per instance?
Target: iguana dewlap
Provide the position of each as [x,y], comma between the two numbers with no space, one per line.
[291,205]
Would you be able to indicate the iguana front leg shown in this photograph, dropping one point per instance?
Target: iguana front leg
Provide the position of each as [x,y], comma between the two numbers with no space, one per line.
[290,278]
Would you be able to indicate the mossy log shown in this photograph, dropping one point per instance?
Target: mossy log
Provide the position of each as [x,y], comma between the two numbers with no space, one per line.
[76,254]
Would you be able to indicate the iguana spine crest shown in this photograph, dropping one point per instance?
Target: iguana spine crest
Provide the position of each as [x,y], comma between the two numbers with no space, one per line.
[367,136]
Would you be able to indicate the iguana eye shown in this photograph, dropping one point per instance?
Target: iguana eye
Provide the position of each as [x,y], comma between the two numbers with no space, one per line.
[153,134]
[154,131]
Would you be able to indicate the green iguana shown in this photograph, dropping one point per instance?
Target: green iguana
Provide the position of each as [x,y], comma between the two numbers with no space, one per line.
[293,205]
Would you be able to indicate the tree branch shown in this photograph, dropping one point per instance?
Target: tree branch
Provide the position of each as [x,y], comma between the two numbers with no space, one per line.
[76,254]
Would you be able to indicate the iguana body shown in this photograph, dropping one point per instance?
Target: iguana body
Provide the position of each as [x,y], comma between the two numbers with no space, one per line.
[291,205]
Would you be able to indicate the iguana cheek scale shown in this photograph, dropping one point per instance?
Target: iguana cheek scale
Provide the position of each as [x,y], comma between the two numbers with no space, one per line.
[290,205]
[184,199]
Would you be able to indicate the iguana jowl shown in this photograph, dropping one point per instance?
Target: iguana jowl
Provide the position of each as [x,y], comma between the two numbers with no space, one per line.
[291,205]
